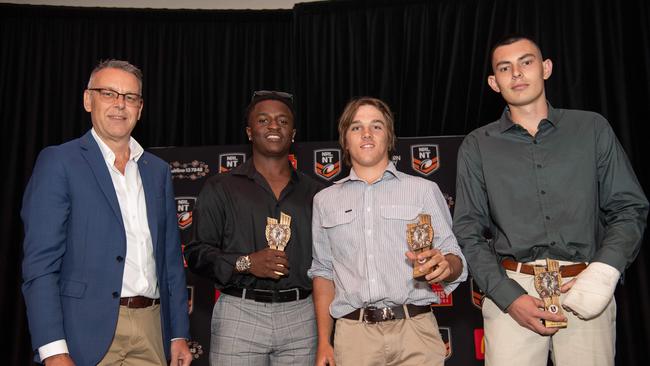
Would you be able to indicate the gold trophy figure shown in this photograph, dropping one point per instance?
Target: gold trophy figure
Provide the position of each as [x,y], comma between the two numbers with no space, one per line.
[420,238]
[278,233]
[547,283]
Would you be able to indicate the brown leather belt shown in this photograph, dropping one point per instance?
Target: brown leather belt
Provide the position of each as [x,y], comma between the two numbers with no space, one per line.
[293,294]
[375,315]
[570,270]
[138,302]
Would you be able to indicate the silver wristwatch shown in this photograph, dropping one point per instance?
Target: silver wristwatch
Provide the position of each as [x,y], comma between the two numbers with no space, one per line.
[243,264]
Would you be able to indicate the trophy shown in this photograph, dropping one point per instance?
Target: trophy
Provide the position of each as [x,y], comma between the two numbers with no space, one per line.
[278,233]
[420,237]
[547,284]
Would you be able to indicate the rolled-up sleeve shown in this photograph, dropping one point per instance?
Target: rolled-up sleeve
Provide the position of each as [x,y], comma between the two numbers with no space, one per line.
[321,265]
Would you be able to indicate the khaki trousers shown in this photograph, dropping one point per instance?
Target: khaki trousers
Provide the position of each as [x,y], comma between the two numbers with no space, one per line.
[137,340]
[414,341]
[588,343]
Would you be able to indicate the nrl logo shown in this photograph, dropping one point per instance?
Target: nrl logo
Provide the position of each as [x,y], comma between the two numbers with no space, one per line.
[327,163]
[230,161]
[424,159]
[184,208]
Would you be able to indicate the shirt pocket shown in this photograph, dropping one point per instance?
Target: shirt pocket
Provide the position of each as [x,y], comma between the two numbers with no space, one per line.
[400,212]
[343,232]
[336,219]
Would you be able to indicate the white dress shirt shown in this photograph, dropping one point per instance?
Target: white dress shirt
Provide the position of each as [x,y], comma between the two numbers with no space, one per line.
[139,277]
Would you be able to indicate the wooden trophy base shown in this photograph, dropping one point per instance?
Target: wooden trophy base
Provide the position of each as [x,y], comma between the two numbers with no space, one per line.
[547,283]
[553,305]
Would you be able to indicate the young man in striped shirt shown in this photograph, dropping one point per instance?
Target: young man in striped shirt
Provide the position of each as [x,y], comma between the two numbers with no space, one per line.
[362,268]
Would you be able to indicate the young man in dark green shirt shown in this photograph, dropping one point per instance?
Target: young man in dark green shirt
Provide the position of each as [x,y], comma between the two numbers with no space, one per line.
[545,183]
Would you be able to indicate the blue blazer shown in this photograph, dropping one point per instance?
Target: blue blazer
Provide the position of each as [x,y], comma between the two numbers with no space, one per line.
[75,245]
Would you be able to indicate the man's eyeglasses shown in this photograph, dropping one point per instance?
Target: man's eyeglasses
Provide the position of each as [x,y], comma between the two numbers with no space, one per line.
[266,93]
[109,95]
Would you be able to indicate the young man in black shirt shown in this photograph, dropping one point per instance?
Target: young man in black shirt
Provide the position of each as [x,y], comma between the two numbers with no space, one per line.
[265,314]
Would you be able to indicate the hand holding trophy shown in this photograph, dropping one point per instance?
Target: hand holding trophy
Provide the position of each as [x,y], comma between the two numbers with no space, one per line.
[547,283]
[278,233]
[420,238]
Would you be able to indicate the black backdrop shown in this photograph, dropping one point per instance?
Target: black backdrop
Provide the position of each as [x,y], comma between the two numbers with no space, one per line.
[427,59]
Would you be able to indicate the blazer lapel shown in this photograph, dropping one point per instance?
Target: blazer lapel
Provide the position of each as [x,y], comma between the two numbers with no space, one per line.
[147,174]
[90,151]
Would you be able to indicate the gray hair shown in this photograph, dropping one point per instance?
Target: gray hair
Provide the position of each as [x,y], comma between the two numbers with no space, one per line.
[117,64]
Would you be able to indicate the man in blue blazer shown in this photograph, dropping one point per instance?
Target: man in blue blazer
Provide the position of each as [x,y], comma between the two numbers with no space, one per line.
[103,274]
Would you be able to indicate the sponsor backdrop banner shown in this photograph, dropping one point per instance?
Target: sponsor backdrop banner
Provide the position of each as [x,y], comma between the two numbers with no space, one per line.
[434,158]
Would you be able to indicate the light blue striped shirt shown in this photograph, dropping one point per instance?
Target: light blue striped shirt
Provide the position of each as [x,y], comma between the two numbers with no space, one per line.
[359,240]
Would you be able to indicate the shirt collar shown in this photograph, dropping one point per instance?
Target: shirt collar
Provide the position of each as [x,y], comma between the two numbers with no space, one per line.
[506,123]
[248,169]
[389,172]
[135,149]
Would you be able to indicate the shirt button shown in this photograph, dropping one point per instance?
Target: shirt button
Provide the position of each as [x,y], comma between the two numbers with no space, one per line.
[369,232]
[548,217]
[116,295]
[119,258]
[539,165]
[542,192]
[535,142]
[368,209]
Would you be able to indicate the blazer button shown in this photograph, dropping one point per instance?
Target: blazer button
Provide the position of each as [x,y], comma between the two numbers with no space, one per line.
[116,295]
[119,258]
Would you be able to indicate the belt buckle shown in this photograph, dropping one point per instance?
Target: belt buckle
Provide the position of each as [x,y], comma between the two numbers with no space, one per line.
[384,314]
[387,314]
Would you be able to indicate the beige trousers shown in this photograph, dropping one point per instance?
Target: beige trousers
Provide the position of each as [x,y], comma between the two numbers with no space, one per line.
[588,343]
[408,342]
[137,340]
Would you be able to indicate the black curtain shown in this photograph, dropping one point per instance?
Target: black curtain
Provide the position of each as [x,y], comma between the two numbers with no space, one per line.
[427,59]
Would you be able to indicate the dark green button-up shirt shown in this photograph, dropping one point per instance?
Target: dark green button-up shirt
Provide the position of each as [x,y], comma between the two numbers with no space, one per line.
[567,193]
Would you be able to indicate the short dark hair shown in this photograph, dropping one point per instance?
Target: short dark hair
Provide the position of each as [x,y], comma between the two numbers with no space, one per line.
[347,117]
[117,64]
[510,39]
[262,95]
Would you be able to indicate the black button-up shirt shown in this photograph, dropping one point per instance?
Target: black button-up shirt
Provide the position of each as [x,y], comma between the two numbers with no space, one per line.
[567,193]
[229,221]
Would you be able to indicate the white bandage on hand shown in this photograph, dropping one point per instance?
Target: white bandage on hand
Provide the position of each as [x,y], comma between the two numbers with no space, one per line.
[592,291]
